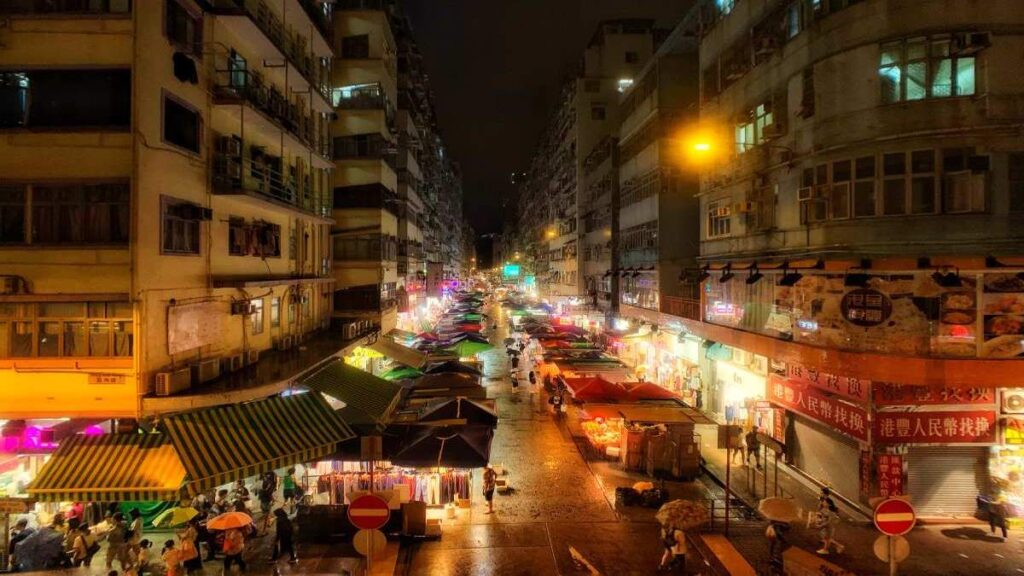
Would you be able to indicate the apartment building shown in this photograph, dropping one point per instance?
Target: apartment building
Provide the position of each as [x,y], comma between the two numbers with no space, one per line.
[861,240]
[564,213]
[165,204]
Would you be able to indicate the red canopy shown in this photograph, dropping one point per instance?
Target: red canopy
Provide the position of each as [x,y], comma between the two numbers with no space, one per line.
[596,389]
[647,391]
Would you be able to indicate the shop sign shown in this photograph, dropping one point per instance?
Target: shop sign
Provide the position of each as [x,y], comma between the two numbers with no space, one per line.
[865,307]
[865,472]
[779,426]
[906,395]
[974,427]
[851,388]
[1013,431]
[846,418]
[890,475]
[106,379]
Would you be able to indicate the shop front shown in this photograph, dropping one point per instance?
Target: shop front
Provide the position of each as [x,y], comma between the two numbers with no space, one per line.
[735,384]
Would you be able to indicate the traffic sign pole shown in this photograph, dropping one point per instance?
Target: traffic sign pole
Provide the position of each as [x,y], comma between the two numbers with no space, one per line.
[892,556]
[894,518]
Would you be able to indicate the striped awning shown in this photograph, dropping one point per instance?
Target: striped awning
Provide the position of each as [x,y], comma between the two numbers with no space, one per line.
[222,444]
[111,468]
[356,388]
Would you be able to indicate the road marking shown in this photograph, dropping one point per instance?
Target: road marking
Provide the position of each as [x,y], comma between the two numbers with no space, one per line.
[1000,556]
[962,555]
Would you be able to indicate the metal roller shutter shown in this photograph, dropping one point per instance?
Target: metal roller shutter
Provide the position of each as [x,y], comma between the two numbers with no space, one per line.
[944,481]
[828,457]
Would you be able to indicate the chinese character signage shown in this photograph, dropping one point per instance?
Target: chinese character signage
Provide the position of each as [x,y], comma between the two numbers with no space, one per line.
[975,427]
[903,395]
[890,475]
[851,388]
[865,472]
[846,418]
[864,307]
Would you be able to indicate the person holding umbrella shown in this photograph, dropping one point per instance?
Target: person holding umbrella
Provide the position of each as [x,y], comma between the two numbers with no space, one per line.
[233,523]
[676,517]
[674,542]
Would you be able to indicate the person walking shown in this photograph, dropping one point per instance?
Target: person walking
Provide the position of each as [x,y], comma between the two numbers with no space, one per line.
[283,537]
[117,542]
[172,559]
[85,546]
[490,480]
[997,517]
[135,529]
[753,447]
[777,542]
[234,546]
[221,503]
[825,520]
[740,451]
[674,542]
[291,491]
[140,558]
[191,559]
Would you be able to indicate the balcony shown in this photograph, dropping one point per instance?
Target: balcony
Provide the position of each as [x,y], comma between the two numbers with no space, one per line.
[363,299]
[262,178]
[365,196]
[283,42]
[65,7]
[241,87]
[688,308]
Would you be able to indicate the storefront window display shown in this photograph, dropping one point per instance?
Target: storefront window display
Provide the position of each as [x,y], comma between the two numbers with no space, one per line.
[738,380]
[335,482]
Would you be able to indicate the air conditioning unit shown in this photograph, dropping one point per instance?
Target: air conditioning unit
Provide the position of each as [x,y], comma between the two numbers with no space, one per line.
[805,194]
[1013,401]
[969,43]
[205,370]
[772,131]
[242,308]
[964,192]
[745,207]
[252,357]
[232,363]
[168,383]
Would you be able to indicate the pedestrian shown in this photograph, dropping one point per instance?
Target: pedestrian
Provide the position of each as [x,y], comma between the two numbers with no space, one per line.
[283,537]
[997,517]
[291,490]
[268,486]
[533,378]
[135,529]
[753,447]
[140,561]
[739,451]
[221,504]
[117,542]
[490,480]
[515,362]
[190,557]
[777,543]
[825,520]
[674,542]
[234,546]
[172,559]
[20,532]
[85,546]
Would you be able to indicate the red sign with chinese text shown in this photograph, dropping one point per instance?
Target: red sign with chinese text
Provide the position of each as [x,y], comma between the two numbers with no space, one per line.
[906,395]
[846,418]
[890,475]
[850,388]
[865,472]
[974,427]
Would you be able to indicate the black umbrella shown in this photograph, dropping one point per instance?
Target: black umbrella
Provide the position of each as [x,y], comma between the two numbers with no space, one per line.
[451,366]
[449,446]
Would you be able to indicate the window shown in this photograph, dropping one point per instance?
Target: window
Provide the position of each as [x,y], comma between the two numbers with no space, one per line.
[66,7]
[807,94]
[794,20]
[183,126]
[591,85]
[238,71]
[65,99]
[13,208]
[894,184]
[926,67]
[184,29]
[923,186]
[257,238]
[597,112]
[719,219]
[751,132]
[65,329]
[355,46]
[632,57]
[180,229]
[725,6]
[256,318]
[839,192]
[1016,173]
[275,312]
[864,201]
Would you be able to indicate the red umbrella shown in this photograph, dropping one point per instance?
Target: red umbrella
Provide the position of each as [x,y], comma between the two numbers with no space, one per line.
[648,391]
[596,389]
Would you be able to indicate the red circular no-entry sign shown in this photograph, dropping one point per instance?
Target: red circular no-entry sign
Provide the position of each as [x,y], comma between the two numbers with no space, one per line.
[369,512]
[895,517]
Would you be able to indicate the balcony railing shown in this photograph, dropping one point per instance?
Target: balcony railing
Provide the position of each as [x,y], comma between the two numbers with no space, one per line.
[321,19]
[688,308]
[233,174]
[237,86]
[68,7]
[283,38]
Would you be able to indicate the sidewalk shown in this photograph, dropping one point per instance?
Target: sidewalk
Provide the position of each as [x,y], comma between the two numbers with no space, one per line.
[935,550]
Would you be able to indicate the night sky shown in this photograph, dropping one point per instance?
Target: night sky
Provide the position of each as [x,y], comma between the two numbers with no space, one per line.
[496,67]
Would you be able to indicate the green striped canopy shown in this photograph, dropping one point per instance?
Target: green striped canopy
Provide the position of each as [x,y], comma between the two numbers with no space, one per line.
[219,445]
